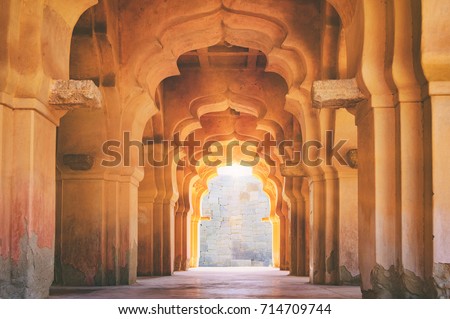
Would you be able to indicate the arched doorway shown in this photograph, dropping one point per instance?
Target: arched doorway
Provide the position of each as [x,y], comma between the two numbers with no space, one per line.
[235,229]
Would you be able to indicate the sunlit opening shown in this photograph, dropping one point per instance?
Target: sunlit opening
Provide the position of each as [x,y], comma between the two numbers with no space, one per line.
[233,231]
[234,170]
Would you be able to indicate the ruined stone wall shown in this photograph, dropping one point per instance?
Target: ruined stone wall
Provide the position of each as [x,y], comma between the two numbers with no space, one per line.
[235,236]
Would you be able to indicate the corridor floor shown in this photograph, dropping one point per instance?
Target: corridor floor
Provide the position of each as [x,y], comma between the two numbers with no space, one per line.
[205,283]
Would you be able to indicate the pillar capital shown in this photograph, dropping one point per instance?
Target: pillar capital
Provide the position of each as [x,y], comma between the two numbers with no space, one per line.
[133,175]
[72,94]
[438,88]
[64,95]
[31,104]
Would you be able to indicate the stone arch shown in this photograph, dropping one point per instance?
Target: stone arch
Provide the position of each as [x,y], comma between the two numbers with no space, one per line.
[190,35]
[346,10]
[240,211]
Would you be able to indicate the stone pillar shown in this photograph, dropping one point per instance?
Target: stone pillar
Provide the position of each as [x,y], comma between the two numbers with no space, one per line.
[27,212]
[436,66]
[185,222]
[298,266]
[194,225]
[194,242]
[415,145]
[178,239]
[147,194]
[164,216]
[97,214]
[284,238]
[412,199]
[327,124]
[348,228]
[386,204]
[307,215]
[181,262]
[288,192]
[128,226]
[27,153]
[317,223]
[186,262]
[99,228]
[276,242]
[330,95]
[366,195]
[302,227]
[317,270]
[184,241]
[332,228]
[379,199]
[440,119]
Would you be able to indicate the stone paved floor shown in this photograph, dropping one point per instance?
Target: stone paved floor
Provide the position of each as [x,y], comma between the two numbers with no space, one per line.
[204,283]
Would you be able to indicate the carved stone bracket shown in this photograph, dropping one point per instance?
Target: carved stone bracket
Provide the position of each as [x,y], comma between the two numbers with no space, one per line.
[72,94]
[292,171]
[352,158]
[336,94]
[78,162]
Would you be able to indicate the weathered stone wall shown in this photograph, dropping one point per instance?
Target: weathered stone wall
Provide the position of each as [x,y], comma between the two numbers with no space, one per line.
[235,236]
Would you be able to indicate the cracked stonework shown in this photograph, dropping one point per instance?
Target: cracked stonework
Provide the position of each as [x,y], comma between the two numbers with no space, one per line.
[32,276]
[413,285]
[386,283]
[346,277]
[331,263]
[441,280]
[5,278]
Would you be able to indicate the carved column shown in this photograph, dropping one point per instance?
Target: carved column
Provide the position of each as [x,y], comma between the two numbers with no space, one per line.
[98,212]
[317,239]
[329,96]
[284,238]
[440,130]
[199,189]
[327,124]
[292,207]
[379,203]
[436,66]
[27,216]
[98,228]
[293,189]
[349,273]
[164,215]
[183,221]
[147,194]
[27,152]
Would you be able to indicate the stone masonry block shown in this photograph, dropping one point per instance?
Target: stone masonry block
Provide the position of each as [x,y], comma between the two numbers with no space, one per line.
[336,94]
[71,94]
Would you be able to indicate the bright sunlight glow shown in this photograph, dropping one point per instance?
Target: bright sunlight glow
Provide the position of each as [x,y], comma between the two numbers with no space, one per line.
[235,170]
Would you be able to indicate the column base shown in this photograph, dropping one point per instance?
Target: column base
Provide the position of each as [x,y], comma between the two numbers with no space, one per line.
[441,280]
[413,286]
[347,279]
[30,276]
[386,284]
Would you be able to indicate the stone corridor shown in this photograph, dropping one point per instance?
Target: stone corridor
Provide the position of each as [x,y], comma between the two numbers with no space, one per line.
[115,116]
